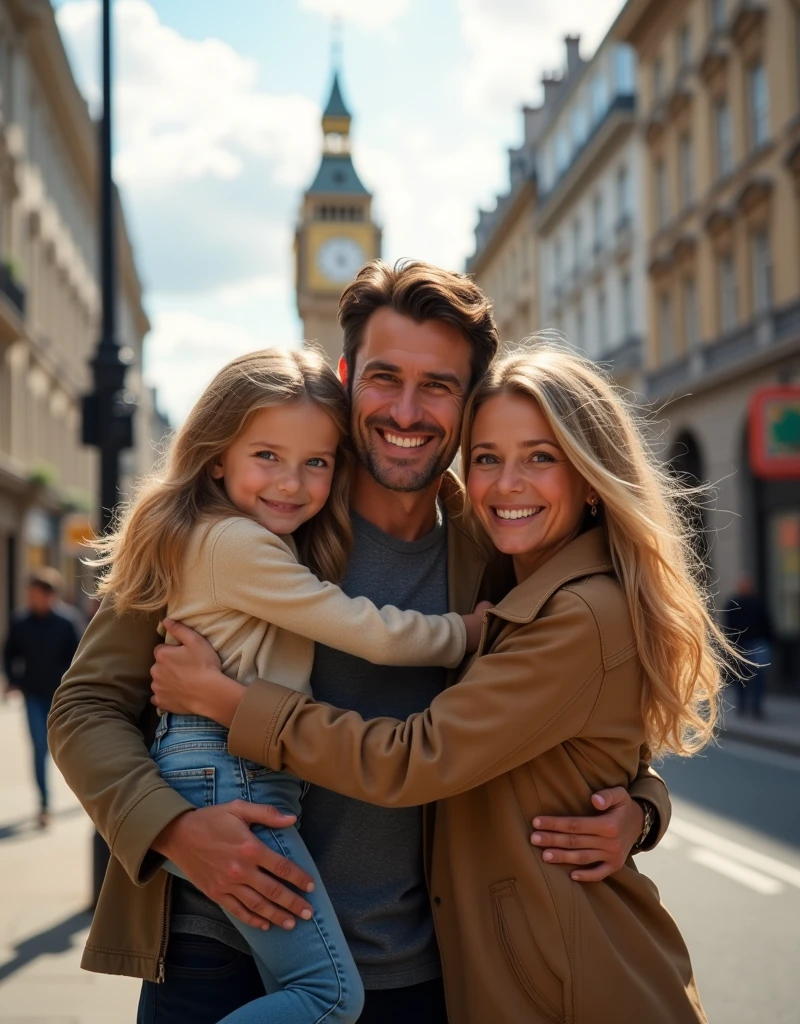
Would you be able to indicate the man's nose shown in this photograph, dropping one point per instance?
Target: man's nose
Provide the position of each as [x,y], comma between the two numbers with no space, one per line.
[406,408]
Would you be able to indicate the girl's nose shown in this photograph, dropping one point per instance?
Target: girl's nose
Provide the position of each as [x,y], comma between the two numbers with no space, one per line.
[289,483]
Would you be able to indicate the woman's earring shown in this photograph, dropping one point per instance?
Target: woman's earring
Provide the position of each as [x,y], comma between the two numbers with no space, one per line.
[594,503]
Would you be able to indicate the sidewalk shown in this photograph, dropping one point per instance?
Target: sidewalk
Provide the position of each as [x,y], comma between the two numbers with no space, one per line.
[779,729]
[44,891]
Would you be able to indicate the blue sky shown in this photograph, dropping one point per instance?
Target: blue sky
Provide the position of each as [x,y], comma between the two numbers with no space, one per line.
[217,133]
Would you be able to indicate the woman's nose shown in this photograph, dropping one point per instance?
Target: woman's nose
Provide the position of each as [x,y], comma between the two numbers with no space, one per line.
[510,480]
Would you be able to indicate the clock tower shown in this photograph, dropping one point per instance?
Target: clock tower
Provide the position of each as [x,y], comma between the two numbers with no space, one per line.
[336,235]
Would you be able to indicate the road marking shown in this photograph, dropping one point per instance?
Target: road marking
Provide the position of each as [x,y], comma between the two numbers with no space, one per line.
[711,841]
[774,758]
[739,873]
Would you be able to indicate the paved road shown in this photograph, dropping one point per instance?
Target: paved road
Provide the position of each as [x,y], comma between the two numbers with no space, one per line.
[729,871]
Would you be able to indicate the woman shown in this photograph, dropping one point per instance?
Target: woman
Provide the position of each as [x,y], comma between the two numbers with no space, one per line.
[605,643]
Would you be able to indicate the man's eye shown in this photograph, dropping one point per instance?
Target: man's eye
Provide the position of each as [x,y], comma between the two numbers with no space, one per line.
[437,384]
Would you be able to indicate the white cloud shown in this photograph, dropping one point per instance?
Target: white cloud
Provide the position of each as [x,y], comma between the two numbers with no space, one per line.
[186,350]
[511,42]
[186,108]
[368,14]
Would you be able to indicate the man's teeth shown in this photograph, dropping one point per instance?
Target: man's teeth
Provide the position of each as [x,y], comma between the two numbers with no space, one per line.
[405,442]
[515,513]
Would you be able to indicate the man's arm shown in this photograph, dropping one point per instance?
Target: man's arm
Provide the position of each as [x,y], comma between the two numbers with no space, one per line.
[97,742]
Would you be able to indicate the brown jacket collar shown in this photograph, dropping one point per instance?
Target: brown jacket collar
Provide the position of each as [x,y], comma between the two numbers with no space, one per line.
[587,555]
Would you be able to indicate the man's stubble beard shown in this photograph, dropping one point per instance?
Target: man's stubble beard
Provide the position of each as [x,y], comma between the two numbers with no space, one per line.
[386,477]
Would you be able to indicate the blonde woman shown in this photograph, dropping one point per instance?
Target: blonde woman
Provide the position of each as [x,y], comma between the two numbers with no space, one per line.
[605,644]
[258,473]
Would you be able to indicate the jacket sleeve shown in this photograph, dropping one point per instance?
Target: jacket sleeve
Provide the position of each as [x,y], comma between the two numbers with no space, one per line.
[500,715]
[648,785]
[96,739]
[253,571]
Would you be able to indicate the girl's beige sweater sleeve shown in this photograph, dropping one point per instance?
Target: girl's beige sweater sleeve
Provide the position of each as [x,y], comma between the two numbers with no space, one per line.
[253,571]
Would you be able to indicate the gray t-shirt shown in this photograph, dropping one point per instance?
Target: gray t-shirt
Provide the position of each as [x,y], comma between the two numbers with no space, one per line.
[370,858]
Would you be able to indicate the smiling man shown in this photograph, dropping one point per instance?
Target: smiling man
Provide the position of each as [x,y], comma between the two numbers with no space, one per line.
[416,340]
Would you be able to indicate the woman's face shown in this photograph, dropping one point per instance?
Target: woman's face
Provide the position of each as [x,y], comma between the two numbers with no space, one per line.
[529,497]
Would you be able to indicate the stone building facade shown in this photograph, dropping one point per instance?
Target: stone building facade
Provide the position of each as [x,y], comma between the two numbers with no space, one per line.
[50,307]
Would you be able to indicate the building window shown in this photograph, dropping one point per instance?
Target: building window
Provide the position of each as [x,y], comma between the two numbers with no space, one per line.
[662,194]
[717,14]
[599,95]
[577,245]
[623,196]
[558,265]
[625,65]
[658,79]
[686,162]
[723,138]
[728,312]
[689,313]
[579,126]
[562,152]
[602,321]
[665,331]
[598,222]
[685,48]
[580,331]
[758,104]
[761,258]
[626,305]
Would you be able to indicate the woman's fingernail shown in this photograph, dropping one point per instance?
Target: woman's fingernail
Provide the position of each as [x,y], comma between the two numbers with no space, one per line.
[307,915]
[310,887]
[537,822]
[601,800]
[536,838]
[288,924]
[547,855]
[576,877]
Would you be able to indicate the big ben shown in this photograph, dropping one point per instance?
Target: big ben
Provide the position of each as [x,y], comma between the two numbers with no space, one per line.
[336,235]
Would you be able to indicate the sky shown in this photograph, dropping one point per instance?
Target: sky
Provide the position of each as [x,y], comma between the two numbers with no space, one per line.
[217,133]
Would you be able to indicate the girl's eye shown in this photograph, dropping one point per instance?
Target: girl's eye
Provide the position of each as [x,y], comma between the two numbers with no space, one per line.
[266,455]
[317,463]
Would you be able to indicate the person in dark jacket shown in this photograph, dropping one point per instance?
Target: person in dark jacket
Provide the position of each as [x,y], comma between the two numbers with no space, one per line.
[747,623]
[41,643]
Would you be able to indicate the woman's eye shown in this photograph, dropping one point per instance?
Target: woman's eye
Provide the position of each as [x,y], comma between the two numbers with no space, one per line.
[317,463]
[485,460]
[266,455]
[542,457]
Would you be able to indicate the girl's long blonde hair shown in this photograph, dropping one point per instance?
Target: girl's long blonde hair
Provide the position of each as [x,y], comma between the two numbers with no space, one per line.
[683,651]
[143,556]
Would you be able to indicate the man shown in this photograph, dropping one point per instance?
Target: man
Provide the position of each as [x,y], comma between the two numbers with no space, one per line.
[40,645]
[747,622]
[416,339]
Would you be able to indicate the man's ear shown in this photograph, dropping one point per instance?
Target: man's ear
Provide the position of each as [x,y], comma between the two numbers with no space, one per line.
[342,368]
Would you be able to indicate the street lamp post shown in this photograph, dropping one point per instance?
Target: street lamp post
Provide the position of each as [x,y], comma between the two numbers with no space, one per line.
[109,408]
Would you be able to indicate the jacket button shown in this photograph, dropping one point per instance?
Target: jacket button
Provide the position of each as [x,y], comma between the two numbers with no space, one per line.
[437,900]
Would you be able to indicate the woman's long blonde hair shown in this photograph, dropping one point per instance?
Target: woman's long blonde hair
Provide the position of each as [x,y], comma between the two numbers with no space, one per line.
[143,556]
[682,649]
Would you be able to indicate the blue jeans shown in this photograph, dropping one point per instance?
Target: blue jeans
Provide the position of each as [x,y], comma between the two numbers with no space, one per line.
[315,973]
[37,709]
[752,695]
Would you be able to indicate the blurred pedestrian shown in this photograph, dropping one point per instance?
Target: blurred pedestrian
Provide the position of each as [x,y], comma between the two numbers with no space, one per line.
[748,625]
[42,640]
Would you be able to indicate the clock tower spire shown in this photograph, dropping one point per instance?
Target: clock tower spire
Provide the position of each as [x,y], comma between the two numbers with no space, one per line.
[336,234]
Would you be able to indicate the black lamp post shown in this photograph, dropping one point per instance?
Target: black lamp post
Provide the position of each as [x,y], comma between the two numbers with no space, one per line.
[109,409]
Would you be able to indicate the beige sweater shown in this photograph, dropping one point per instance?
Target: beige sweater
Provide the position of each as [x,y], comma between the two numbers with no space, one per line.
[243,589]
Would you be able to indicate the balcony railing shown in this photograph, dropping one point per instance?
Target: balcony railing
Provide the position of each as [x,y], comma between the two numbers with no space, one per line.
[624,357]
[728,352]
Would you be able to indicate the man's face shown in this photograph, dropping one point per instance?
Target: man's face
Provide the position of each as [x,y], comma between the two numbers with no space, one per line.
[409,386]
[40,599]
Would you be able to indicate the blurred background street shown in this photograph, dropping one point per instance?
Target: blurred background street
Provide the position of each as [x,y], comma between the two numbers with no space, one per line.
[624,173]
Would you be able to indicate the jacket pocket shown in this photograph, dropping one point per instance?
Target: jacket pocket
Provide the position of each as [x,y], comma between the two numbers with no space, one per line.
[539,983]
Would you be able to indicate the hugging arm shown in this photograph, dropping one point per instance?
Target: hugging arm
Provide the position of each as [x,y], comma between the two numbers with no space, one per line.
[96,738]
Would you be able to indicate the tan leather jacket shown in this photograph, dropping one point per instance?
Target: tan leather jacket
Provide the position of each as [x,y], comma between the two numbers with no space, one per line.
[101,728]
[548,712]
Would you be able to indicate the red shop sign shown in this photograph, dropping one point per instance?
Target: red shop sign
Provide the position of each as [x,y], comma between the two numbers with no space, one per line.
[774,432]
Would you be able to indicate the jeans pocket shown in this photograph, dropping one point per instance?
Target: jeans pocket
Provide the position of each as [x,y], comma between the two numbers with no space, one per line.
[197,785]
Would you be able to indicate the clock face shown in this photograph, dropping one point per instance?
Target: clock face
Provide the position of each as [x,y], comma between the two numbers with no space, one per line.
[340,259]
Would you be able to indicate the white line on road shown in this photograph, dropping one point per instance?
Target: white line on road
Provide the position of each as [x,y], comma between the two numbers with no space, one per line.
[752,879]
[711,841]
[774,758]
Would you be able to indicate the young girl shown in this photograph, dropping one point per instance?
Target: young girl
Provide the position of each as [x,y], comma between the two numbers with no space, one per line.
[250,516]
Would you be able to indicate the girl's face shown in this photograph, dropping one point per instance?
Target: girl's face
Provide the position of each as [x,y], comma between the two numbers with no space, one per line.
[528,496]
[280,468]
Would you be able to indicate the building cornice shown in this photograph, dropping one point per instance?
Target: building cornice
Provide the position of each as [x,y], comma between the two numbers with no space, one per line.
[510,207]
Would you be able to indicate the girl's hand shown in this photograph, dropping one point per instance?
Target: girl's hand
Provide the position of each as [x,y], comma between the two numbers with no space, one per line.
[188,680]
[474,624]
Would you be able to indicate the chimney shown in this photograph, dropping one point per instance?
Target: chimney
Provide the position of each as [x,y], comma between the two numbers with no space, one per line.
[551,84]
[573,53]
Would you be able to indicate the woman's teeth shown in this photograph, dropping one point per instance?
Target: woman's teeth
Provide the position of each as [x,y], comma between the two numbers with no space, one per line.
[405,442]
[515,513]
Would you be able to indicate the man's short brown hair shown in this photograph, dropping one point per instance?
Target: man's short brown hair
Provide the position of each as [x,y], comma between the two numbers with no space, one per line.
[47,579]
[422,292]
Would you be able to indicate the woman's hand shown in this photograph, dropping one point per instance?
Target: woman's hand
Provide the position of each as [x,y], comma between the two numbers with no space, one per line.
[474,624]
[188,680]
